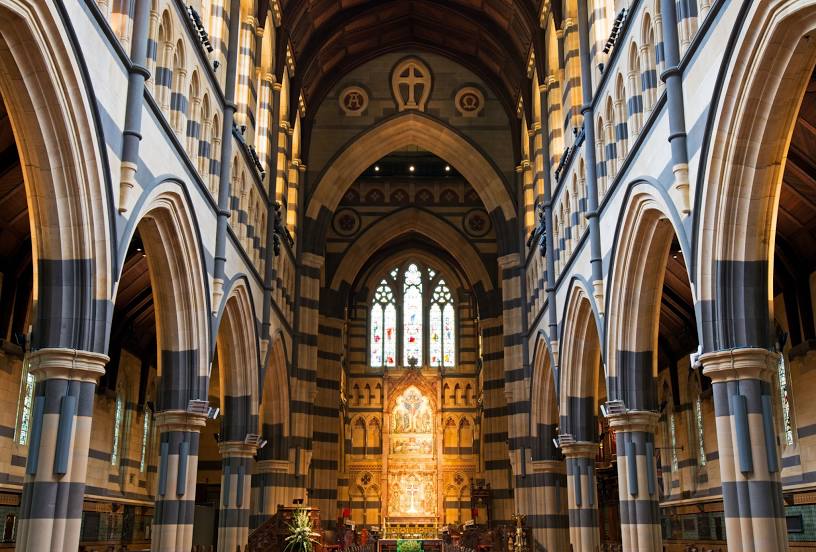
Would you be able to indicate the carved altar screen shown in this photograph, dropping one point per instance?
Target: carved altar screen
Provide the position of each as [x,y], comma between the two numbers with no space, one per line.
[412,481]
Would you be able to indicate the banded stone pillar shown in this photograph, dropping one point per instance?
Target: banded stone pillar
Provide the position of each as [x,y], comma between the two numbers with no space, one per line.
[749,459]
[179,433]
[547,517]
[54,486]
[236,484]
[582,496]
[273,484]
[637,479]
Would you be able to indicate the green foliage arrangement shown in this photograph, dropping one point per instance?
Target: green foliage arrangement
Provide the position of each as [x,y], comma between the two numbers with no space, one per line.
[409,546]
[302,537]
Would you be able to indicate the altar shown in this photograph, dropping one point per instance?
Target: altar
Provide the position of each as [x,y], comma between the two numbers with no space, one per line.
[428,545]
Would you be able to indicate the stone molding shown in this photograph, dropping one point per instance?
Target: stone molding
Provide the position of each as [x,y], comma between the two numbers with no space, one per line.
[739,364]
[70,364]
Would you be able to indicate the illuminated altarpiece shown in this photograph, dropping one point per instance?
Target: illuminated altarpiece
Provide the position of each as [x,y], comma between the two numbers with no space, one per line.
[427,455]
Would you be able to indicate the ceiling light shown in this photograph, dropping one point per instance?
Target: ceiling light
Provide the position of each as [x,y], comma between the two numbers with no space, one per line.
[411,168]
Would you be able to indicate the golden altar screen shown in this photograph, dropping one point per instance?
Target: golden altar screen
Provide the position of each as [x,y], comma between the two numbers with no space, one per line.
[412,473]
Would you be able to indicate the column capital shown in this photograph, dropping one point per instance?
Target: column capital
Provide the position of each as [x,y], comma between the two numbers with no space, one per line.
[634,420]
[273,466]
[72,364]
[738,364]
[180,420]
[548,466]
[511,260]
[580,449]
[239,449]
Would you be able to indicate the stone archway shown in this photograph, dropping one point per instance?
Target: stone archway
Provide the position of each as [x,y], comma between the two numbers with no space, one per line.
[237,353]
[736,213]
[407,129]
[69,210]
[640,258]
[404,222]
[581,366]
[763,84]
[172,245]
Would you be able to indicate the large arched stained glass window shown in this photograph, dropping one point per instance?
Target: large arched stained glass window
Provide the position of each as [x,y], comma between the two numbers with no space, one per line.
[412,315]
[412,319]
[383,327]
[441,318]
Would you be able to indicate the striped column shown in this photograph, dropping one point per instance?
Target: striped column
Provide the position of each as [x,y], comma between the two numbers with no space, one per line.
[547,505]
[303,390]
[296,168]
[273,484]
[236,484]
[179,433]
[637,479]
[51,506]
[516,375]
[495,455]
[571,91]
[746,438]
[582,496]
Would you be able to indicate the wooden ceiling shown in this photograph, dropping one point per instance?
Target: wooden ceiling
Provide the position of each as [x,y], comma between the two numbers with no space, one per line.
[492,38]
[796,218]
[678,328]
[15,229]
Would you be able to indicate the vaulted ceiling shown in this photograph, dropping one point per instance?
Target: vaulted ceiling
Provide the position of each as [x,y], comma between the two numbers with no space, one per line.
[329,38]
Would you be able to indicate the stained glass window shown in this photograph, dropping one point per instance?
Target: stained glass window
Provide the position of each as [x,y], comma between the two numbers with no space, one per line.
[117,429]
[675,465]
[145,438]
[441,319]
[412,315]
[784,391]
[397,320]
[26,405]
[383,327]
[698,421]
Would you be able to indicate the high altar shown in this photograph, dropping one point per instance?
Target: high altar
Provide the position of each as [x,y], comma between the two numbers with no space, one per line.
[421,471]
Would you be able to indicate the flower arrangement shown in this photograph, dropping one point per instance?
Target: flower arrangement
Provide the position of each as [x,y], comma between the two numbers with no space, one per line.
[302,537]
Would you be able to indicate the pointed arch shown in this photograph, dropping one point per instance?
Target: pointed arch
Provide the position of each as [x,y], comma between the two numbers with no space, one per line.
[237,347]
[581,365]
[274,407]
[635,288]
[408,128]
[544,403]
[53,114]
[738,188]
[172,242]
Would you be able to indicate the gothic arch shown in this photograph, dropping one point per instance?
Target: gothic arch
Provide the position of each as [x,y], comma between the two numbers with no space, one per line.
[275,394]
[408,129]
[759,96]
[238,363]
[182,305]
[581,357]
[405,221]
[544,393]
[634,290]
[62,157]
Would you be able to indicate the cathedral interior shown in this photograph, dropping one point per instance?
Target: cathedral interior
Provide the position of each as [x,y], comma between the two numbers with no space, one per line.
[424,275]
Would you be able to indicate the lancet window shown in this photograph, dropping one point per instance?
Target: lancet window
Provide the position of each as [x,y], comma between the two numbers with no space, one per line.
[412,319]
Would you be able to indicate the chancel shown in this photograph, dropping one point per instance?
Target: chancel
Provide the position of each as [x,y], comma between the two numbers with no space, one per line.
[407,275]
